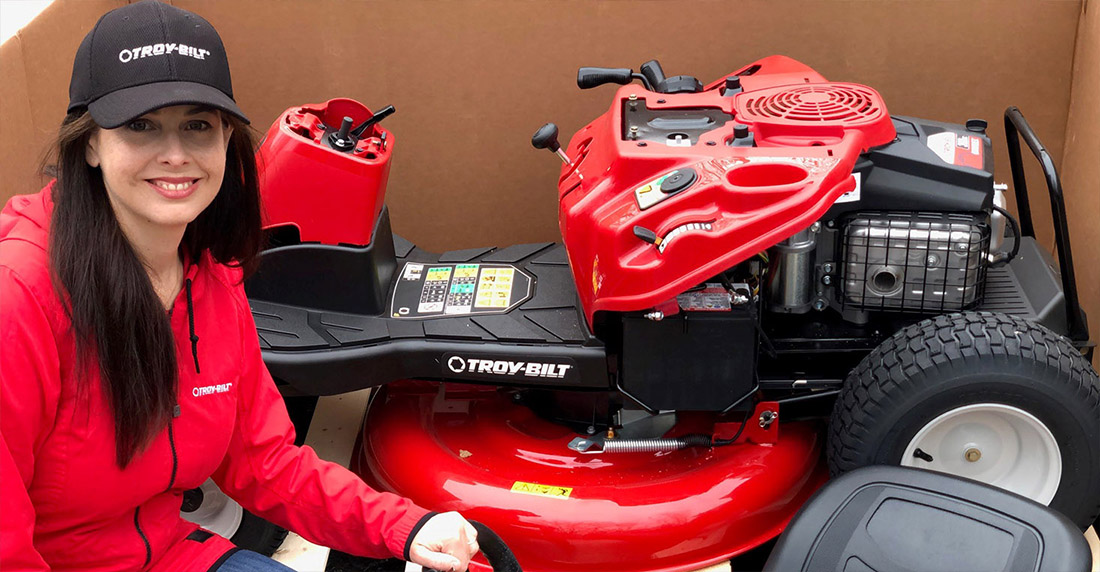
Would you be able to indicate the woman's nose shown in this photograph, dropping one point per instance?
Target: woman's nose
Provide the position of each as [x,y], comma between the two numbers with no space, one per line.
[173,151]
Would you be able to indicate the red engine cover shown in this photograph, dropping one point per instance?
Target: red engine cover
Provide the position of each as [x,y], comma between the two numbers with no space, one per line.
[808,134]
[330,196]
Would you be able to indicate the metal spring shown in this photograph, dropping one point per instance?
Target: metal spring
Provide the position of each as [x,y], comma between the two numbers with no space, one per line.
[643,445]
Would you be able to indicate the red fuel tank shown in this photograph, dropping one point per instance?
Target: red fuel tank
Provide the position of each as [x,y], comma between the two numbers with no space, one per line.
[329,195]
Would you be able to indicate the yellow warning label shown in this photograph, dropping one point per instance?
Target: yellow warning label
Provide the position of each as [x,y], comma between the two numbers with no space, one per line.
[494,288]
[542,490]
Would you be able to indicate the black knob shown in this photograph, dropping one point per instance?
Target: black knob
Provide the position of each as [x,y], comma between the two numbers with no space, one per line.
[740,131]
[678,181]
[733,83]
[546,138]
[976,125]
[341,140]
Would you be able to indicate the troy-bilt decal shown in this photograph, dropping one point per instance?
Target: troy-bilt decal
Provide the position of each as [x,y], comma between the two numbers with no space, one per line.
[541,490]
[209,389]
[467,366]
[128,55]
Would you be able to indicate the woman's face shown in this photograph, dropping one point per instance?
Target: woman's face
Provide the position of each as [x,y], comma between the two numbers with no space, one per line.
[163,168]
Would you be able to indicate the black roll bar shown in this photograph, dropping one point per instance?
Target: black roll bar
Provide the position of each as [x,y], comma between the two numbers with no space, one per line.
[1015,126]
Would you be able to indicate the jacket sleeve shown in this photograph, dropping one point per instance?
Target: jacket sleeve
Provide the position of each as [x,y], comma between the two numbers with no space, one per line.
[290,486]
[30,384]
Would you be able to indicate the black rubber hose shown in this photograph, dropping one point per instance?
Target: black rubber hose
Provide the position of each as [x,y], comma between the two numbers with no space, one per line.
[498,554]
[1016,236]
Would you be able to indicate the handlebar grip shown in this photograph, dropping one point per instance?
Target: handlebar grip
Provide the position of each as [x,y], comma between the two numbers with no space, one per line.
[588,78]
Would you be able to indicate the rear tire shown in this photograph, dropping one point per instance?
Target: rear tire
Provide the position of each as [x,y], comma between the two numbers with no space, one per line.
[1000,399]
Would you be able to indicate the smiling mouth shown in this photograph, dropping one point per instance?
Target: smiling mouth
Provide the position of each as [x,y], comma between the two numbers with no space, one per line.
[173,187]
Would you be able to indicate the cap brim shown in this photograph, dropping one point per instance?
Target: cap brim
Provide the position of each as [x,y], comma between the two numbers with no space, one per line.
[116,108]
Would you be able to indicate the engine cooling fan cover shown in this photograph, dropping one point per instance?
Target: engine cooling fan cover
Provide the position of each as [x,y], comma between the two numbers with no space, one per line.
[797,114]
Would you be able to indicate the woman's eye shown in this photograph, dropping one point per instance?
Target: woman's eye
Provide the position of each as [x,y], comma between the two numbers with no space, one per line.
[197,125]
[139,125]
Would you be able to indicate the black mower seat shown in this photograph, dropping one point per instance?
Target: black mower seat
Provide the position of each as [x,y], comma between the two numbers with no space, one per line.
[879,519]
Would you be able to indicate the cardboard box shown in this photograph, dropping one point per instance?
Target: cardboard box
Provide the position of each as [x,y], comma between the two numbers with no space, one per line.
[472,80]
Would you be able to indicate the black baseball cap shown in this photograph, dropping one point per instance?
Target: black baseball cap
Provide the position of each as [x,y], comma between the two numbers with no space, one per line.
[149,55]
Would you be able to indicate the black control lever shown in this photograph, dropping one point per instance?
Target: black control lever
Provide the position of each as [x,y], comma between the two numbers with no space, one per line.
[653,73]
[341,139]
[378,116]
[589,77]
[547,138]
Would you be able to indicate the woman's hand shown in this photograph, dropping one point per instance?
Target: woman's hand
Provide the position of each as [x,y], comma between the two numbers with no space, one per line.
[445,543]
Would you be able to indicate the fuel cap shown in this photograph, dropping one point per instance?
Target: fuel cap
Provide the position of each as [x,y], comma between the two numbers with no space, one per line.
[678,181]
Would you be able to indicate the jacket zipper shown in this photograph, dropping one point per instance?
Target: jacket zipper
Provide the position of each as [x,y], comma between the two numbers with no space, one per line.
[171,482]
[175,459]
[148,548]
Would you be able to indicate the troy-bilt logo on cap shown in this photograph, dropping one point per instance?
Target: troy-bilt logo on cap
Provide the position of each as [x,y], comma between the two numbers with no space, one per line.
[477,366]
[129,55]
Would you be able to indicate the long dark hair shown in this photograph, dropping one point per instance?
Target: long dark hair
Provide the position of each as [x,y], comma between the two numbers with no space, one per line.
[119,323]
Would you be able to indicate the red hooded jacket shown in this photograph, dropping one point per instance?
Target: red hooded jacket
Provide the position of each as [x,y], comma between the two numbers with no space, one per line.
[65,504]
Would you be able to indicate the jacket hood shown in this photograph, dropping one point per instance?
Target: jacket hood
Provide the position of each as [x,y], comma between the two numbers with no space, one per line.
[27,218]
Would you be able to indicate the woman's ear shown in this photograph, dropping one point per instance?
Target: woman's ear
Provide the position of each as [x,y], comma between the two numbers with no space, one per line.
[91,150]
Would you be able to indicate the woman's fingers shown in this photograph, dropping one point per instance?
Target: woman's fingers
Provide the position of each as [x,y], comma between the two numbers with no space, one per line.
[446,543]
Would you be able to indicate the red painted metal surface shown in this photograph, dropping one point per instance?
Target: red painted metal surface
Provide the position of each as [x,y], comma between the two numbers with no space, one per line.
[331,197]
[808,134]
[467,449]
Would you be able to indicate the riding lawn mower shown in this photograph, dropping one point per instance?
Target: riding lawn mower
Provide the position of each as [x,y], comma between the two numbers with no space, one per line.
[762,281]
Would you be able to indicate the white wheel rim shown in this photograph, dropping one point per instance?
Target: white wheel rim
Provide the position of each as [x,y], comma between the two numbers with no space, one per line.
[218,513]
[1014,450]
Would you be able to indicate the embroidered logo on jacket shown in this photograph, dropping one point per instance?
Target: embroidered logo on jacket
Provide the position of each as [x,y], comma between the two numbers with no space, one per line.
[207,390]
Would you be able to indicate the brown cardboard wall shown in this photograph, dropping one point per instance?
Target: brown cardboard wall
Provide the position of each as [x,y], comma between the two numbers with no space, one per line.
[473,79]
[1081,165]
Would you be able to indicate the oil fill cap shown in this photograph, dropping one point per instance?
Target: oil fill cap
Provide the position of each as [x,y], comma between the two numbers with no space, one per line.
[678,181]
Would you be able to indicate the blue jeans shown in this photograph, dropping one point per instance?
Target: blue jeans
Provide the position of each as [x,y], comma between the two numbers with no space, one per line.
[248,561]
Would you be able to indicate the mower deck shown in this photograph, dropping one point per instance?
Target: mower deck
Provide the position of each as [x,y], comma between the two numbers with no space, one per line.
[472,449]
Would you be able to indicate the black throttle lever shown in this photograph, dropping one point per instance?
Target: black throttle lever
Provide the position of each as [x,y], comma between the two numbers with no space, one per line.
[379,116]
[589,77]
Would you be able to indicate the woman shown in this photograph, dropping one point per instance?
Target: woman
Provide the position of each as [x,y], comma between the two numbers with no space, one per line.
[131,366]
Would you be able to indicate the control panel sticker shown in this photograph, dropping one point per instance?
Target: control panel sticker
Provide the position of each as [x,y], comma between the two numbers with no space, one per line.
[650,193]
[412,271]
[542,490]
[440,290]
[434,292]
[461,295]
[494,288]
